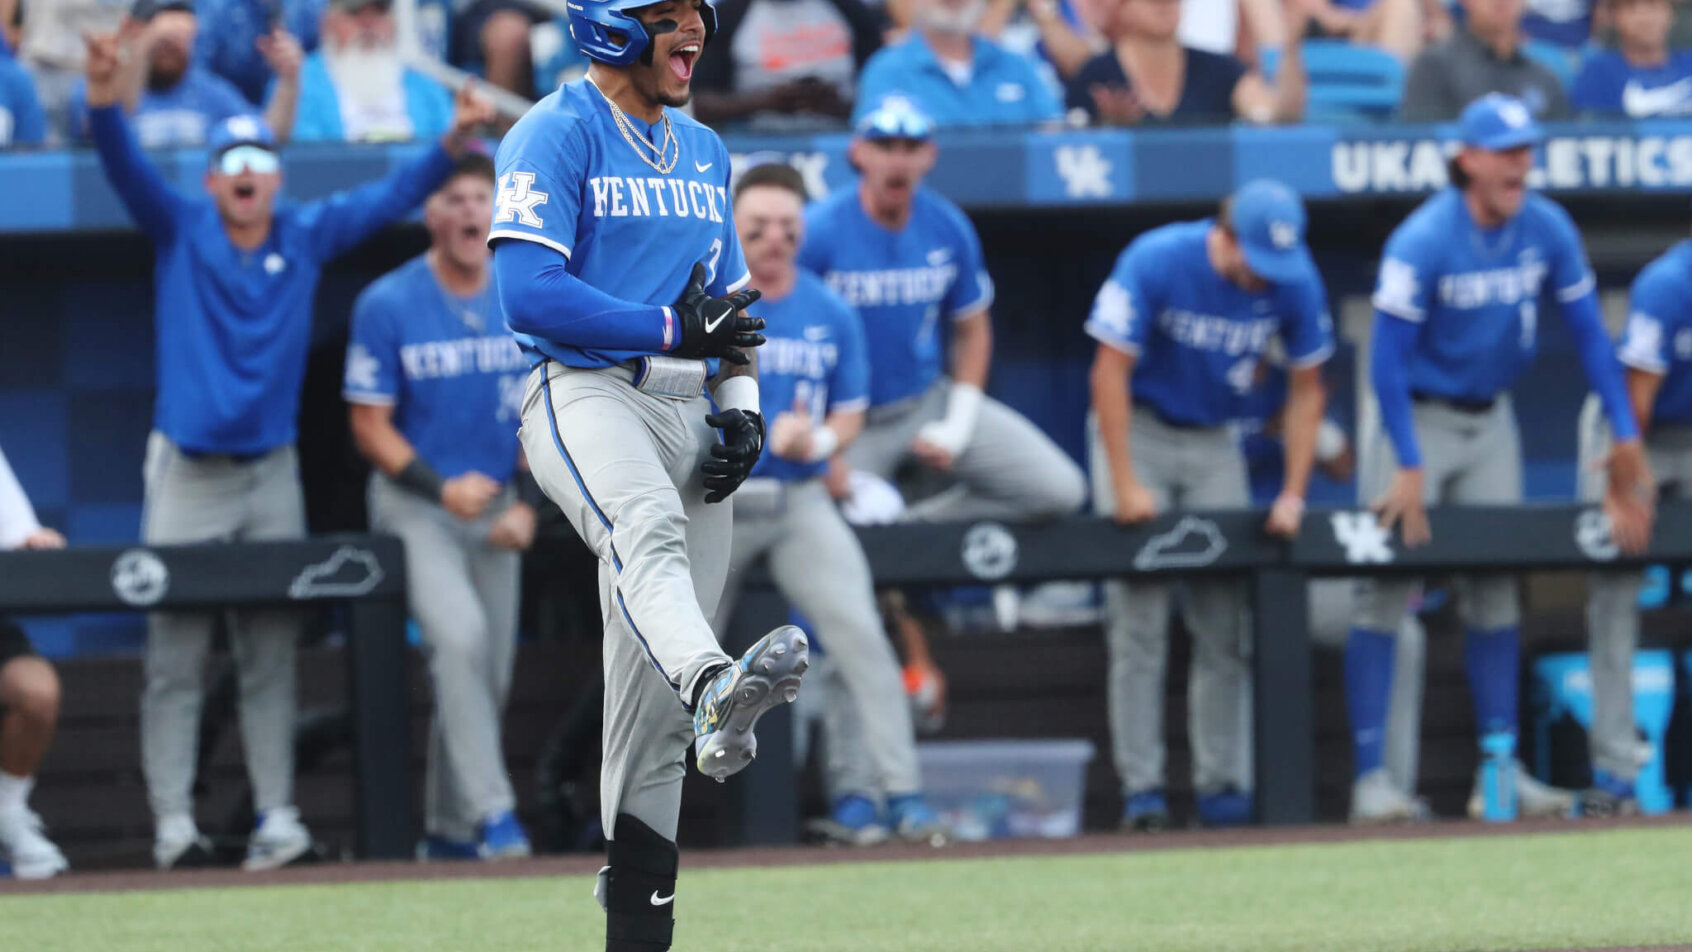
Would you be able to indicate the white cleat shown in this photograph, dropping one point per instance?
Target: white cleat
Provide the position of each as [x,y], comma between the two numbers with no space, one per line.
[1375,799]
[768,674]
[1534,799]
[24,844]
[279,840]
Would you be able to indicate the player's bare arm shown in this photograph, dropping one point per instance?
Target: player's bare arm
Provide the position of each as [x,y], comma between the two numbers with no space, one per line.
[1306,401]
[1113,407]
[466,496]
[795,435]
[938,444]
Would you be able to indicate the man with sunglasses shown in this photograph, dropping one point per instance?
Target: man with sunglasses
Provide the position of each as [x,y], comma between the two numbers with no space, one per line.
[905,257]
[234,279]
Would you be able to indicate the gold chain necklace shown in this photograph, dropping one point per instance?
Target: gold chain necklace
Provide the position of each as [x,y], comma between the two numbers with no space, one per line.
[639,143]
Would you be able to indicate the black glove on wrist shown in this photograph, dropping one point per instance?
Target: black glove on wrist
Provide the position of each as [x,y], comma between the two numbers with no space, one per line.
[732,460]
[714,327]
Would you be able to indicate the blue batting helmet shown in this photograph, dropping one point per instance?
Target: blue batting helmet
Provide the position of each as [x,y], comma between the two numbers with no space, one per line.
[604,30]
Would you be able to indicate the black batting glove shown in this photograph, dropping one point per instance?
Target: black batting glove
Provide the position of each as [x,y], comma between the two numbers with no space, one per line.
[714,327]
[732,460]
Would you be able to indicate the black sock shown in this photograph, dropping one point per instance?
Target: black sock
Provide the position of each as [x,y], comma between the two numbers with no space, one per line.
[641,888]
[704,681]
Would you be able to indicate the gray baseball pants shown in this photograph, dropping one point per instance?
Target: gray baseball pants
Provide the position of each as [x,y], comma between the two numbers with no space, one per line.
[1330,625]
[1467,459]
[217,499]
[1612,607]
[624,467]
[462,591]
[1185,469]
[818,565]
[1009,470]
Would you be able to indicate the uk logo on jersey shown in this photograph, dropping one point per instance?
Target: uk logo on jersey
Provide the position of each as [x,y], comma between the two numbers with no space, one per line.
[517,200]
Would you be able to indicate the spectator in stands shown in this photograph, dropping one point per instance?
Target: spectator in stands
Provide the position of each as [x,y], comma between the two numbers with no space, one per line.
[954,74]
[1642,77]
[1483,56]
[355,88]
[235,32]
[174,102]
[442,439]
[495,34]
[1056,31]
[234,277]
[783,64]
[1565,24]
[29,706]
[1396,26]
[51,48]
[1253,30]
[1149,77]
[22,121]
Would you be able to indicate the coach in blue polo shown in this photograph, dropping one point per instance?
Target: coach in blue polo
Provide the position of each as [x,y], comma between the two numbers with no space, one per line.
[234,275]
[956,76]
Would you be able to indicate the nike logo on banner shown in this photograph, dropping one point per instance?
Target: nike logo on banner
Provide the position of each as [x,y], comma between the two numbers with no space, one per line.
[711,326]
[1664,100]
[664,901]
[700,168]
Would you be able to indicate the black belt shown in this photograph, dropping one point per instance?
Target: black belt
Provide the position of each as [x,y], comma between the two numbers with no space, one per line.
[242,458]
[1175,424]
[1462,406]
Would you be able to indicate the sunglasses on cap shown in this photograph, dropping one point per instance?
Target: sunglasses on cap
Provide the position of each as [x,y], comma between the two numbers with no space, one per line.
[896,124]
[250,158]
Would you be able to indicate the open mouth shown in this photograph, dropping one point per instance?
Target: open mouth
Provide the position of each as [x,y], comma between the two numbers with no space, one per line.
[245,191]
[471,233]
[682,60]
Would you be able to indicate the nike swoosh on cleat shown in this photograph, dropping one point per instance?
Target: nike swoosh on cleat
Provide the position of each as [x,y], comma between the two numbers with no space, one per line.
[664,901]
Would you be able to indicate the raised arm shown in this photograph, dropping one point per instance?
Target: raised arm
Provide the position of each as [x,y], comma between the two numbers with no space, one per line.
[283,55]
[151,202]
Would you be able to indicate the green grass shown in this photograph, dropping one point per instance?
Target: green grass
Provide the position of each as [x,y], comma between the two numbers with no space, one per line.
[1622,887]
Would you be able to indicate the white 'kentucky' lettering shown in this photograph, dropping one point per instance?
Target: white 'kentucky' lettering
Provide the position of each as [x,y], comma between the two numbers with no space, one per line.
[465,355]
[798,358]
[634,196]
[895,286]
[1511,285]
[1209,332]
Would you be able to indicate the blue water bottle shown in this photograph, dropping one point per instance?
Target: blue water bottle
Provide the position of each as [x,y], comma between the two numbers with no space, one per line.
[1498,777]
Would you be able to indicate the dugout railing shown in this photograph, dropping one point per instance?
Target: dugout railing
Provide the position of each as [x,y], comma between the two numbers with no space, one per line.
[365,572]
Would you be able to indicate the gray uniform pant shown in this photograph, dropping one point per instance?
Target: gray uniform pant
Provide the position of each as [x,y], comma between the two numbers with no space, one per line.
[1009,470]
[1612,607]
[1467,459]
[215,499]
[1184,469]
[624,467]
[1330,625]
[463,593]
[817,565]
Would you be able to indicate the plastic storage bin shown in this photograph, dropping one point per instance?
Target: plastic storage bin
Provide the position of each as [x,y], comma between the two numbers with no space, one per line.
[997,789]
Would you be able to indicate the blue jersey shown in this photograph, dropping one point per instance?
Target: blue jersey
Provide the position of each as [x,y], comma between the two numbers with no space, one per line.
[1608,85]
[22,122]
[178,117]
[229,44]
[1004,87]
[1658,336]
[233,326]
[901,282]
[446,364]
[569,180]
[1199,337]
[1474,292]
[813,352]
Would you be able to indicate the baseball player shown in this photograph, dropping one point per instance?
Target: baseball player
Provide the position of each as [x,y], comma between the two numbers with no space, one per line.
[904,257]
[29,706]
[1656,347]
[1456,321]
[1182,323]
[622,276]
[234,278]
[435,383]
[813,365]
[1261,431]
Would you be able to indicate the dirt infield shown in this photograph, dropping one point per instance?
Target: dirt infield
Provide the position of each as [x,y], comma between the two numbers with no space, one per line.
[333,873]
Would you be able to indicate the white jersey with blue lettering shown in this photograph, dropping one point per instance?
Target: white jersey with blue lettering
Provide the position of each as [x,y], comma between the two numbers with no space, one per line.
[569,179]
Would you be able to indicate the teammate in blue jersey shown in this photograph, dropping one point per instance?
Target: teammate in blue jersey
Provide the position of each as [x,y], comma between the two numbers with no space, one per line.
[1656,348]
[435,384]
[813,367]
[622,276]
[909,261]
[233,281]
[1456,322]
[1182,324]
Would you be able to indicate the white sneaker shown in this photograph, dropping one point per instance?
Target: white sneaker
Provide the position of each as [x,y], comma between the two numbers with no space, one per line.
[24,844]
[279,840]
[1533,798]
[1376,799]
[177,841]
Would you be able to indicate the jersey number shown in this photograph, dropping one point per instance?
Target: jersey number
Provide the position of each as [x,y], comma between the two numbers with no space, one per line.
[813,396]
[716,252]
[1530,323]
[1243,374]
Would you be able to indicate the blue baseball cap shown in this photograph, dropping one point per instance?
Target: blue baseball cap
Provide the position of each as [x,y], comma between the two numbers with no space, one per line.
[1497,123]
[240,130]
[1268,221]
[895,117]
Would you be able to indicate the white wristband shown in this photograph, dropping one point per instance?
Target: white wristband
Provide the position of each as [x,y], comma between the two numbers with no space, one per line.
[1330,441]
[738,393]
[824,441]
